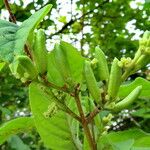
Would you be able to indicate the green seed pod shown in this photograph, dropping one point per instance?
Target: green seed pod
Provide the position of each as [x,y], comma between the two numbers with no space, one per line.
[39,52]
[114,80]
[128,100]
[102,64]
[25,63]
[141,62]
[61,61]
[91,82]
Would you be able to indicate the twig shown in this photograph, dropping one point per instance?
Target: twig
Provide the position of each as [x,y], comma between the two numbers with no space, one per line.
[71,113]
[64,88]
[12,17]
[73,21]
[93,114]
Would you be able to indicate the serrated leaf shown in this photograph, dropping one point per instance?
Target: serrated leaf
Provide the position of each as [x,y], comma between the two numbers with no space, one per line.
[127,88]
[13,38]
[55,131]
[15,126]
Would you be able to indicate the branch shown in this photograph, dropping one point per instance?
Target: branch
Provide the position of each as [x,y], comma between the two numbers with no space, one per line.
[71,113]
[11,15]
[93,114]
[79,104]
[64,88]
[87,132]
[73,21]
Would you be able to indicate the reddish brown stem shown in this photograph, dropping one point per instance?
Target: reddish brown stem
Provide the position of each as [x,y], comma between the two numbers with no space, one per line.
[87,132]
[12,17]
[93,114]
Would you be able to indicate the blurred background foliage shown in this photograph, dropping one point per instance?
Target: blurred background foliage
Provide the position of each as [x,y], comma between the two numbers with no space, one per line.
[114,25]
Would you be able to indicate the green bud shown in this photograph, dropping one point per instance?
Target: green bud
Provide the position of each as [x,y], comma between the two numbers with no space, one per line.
[125,62]
[107,119]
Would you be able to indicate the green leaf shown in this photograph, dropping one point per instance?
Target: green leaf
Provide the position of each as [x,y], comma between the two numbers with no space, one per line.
[143,112]
[7,40]
[140,148]
[15,126]
[55,131]
[143,142]
[124,145]
[17,144]
[116,139]
[74,59]
[28,27]
[13,38]
[127,88]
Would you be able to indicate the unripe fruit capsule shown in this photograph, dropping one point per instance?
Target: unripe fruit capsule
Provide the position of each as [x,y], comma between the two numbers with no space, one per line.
[128,100]
[102,64]
[91,82]
[39,51]
[114,80]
